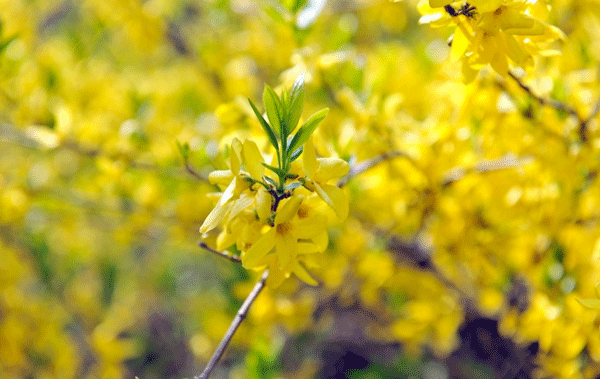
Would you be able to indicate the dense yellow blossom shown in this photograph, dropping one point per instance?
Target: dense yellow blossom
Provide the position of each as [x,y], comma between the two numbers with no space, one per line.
[464,198]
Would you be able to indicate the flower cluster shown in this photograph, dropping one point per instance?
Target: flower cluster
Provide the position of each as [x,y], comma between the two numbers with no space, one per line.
[495,32]
[274,214]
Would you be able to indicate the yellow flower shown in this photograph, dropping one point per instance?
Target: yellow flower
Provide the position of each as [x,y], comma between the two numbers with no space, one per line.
[319,172]
[239,193]
[492,32]
[288,236]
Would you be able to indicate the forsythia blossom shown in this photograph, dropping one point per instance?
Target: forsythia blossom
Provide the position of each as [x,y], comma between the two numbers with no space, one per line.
[275,219]
[497,32]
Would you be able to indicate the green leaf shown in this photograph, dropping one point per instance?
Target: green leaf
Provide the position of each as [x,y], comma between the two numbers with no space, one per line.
[276,170]
[265,126]
[270,180]
[307,129]
[184,150]
[295,154]
[296,102]
[293,186]
[285,100]
[274,109]
[4,44]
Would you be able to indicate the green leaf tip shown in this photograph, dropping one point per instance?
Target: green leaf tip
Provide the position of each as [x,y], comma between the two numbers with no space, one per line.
[265,126]
[307,129]
[274,108]
[296,104]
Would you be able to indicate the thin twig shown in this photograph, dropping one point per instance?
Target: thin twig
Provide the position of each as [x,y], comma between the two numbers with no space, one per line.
[224,254]
[507,161]
[543,101]
[558,105]
[194,173]
[365,165]
[594,113]
[239,317]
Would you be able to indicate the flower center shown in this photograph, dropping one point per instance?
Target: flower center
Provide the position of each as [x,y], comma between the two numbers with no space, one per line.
[302,212]
[283,228]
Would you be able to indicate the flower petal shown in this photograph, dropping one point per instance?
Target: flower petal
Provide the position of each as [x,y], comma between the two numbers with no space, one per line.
[288,209]
[330,168]
[225,239]
[215,216]
[310,227]
[590,303]
[253,160]
[263,204]
[335,198]
[235,156]
[301,273]
[286,248]
[251,258]
[220,177]
[276,275]
[229,191]
[309,158]
[239,205]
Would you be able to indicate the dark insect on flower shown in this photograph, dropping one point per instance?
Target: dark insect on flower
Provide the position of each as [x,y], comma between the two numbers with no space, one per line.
[466,10]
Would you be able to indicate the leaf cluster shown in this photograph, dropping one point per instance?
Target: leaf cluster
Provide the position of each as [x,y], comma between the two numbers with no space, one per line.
[283,114]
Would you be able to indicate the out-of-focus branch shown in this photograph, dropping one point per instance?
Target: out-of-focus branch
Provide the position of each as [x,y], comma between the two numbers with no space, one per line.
[594,113]
[239,317]
[543,101]
[560,106]
[15,136]
[224,254]
[507,161]
[365,165]
[194,173]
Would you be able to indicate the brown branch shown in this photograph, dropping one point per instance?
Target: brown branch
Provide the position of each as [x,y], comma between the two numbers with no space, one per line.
[558,105]
[594,112]
[194,173]
[239,317]
[224,254]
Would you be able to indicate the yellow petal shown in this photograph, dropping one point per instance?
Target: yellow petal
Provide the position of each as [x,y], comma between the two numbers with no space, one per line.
[484,6]
[253,160]
[513,49]
[259,249]
[235,155]
[263,204]
[438,3]
[229,191]
[286,248]
[590,303]
[500,64]
[220,177]
[321,240]
[536,29]
[301,273]
[335,198]
[307,248]
[330,168]
[513,19]
[460,42]
[215,216]
[225,239]
[310,227]
[276,275]
[239,205]
[288,209]
[309,158]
